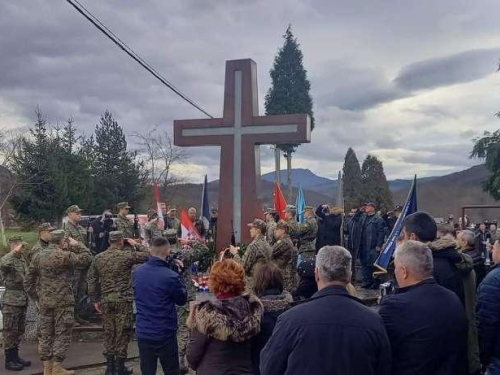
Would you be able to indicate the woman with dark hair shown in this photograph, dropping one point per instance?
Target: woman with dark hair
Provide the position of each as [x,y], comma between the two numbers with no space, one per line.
[268,286]
[221,330]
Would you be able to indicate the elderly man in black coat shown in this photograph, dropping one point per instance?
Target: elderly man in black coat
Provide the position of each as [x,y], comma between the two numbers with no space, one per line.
[332,333]
[426,322]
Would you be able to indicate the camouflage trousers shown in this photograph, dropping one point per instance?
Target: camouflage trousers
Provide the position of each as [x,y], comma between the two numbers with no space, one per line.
[117,322]
[14,323]
[182,333]
[79,288]
[56,327]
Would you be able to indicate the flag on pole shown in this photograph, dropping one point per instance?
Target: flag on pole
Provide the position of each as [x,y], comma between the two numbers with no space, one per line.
[390,246]
[341,204]
[161,222]
[300,204]
[187,227]
[205,207]
[279,202]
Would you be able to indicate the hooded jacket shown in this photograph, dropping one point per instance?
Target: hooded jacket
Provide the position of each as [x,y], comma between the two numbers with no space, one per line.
[455,271]
[221,333]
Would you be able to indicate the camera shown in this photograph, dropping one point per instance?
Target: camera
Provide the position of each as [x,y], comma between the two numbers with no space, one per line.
[387,288]
[172,264]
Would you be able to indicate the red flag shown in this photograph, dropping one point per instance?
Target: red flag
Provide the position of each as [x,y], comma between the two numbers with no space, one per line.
[188,229]
[161,222]
[279,202]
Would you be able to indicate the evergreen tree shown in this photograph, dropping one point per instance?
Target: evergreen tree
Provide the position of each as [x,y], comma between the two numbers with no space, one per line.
[289,92]
[375,185]
[118,176]
[353,183]
[488,148]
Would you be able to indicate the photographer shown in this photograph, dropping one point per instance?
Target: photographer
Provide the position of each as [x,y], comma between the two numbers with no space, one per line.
[157,289]
[102,225]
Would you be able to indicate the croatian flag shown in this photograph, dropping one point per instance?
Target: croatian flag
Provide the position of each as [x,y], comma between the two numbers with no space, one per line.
[205,207]
[161,222]
[279,202]
[300,204]
[384,259]
[188,229]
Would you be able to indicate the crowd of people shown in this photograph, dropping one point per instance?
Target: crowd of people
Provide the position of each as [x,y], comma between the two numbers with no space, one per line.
[284,304]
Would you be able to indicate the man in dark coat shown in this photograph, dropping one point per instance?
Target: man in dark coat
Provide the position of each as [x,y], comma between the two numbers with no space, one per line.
[332,333]
[452,270]
[352,230]
[426,323]
[488,315]
[329,226]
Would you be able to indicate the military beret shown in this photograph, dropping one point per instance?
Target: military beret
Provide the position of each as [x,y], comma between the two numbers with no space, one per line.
[282,224]
[115,235]
[123,205]
[152,214]
[16,239]
[170,233]
[73,208]
[46,227]
[58,235]
[259,224]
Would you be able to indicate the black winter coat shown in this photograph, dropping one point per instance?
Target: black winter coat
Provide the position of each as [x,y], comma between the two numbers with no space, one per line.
[488,316]
[478,261]
[353,230]
[329,227]
[373,232]
[427,328]
[332,333]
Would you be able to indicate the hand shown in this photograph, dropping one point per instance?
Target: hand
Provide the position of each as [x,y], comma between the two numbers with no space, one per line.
[72,241]
[130,241]
[233,249]
[18,247]
[90,230]
[179,263]
[98,306]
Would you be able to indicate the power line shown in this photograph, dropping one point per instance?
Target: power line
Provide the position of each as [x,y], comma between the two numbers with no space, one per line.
[115,39]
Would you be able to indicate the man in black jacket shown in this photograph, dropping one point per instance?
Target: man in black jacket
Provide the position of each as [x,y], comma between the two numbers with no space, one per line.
[329,225]
[426,323]
[332,333]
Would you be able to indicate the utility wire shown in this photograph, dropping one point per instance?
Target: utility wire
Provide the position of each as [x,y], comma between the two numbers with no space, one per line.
[115,39]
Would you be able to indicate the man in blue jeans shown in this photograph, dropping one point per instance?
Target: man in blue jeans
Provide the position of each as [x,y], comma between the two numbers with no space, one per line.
[157,289]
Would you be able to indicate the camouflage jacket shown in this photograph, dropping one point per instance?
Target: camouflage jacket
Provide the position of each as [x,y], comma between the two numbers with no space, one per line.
[270,229]
[77,232]
[124,225]
[285,256]
[308,231]
[258,251]
[152,232]
[172,223]
[294,228]
[13,269]
[110,275]
[49,278]
[35,250]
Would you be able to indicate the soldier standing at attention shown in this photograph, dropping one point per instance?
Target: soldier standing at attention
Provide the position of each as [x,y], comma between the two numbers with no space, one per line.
[171,220]
[307,233]
[110,288]
[78,233]
[270,225]
[291,219]
[258,251]
[152,229]
[13,269]
[123,224]
[285,256]
[49,281]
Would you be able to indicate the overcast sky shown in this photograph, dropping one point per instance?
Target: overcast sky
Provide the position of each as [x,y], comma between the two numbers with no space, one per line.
[412,82]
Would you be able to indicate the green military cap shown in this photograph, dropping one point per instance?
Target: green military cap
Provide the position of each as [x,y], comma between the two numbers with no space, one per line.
[259,224]
[170,233]
[13,239]
[58,235]
[152,214]
[123,205]
[115,235]
[46,227]
[282,224]
[73,208]
[269,210]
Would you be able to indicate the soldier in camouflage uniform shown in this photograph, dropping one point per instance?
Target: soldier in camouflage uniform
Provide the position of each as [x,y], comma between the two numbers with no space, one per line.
[122,223]
[285,256]
[189,254]
[307,233]
[44,230]
[258,251]
[49,281]
[152,229]
[291,219]
[270,226]
[74,230]
[13,269]
[110,288]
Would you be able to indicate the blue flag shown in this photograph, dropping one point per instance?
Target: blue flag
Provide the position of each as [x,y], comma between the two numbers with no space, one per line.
[384,259]
[300,204]
[205,207]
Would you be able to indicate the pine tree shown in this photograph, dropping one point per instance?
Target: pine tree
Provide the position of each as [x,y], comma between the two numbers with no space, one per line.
[375,186]
[353,182]
[289,93]
[117,173]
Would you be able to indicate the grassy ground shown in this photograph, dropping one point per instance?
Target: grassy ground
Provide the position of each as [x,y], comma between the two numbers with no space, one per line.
[29,237]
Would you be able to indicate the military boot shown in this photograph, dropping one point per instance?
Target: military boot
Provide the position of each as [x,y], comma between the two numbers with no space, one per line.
[110,365]
[10,361]
[47,367]
[57,369]
[19,359]
[121,369]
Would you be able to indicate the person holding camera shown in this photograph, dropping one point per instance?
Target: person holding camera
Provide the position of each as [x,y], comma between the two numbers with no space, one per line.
[102,226]
[110,289]
[157,289]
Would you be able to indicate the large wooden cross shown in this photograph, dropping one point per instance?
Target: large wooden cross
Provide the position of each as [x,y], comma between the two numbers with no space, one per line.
[239,133]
